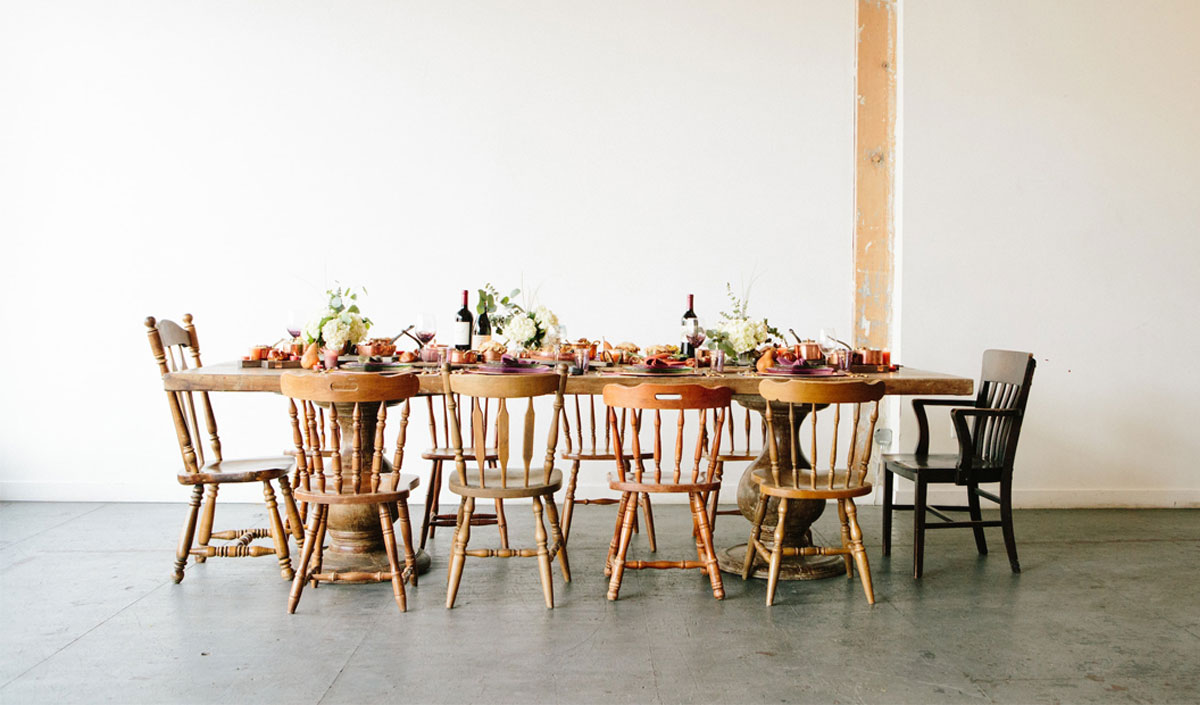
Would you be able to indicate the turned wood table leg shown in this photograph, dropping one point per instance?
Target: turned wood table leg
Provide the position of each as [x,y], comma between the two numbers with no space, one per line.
[800,513]
[354,531]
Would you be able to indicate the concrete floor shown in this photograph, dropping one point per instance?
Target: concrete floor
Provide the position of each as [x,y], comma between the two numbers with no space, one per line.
[1105,611]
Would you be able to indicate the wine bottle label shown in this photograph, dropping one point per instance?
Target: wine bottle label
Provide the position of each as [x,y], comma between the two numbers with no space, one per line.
[462,332]
[478,341]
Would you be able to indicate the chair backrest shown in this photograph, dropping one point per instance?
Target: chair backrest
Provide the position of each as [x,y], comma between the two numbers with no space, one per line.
[814,397]
[591,423]
[740,435]
[172,345]
[1004,384]
[660,397]
[442,439]
[365,396]
[478,389]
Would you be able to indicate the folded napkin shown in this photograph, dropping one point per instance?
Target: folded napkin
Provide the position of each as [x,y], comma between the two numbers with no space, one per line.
[801,368]
[512,361]
[663,362]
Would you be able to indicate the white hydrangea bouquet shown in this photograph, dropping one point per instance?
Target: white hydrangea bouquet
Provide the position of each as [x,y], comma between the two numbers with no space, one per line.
[339,323]
[528,326]
[736,332]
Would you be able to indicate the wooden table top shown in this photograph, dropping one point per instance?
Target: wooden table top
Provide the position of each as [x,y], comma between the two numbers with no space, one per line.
[231,377]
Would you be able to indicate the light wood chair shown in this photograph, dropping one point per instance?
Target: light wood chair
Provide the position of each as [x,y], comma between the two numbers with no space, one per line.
[473,480]
[790,479]
[583,444]
[365,397]
[168,343]
[987,432]
[438,454]
[632,478]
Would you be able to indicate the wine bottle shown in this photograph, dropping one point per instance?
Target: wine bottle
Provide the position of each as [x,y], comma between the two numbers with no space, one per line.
[483,329]
[685,347]
[462,325]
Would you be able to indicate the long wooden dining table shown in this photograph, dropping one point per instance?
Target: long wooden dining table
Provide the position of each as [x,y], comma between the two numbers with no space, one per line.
[356,543]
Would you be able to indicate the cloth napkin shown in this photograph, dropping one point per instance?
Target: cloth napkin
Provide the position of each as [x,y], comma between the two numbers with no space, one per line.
[659,362]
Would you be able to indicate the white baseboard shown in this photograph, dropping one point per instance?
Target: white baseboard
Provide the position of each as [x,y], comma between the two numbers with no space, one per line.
[169,491]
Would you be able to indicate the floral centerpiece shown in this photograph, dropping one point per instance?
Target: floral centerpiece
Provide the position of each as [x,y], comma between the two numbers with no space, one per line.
[528,326]
[340,323]
[736,332]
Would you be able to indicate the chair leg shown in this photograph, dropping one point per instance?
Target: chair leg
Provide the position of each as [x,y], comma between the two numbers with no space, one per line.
[204,535]
[919,528]
[629,511]
[714,496]
[189,531]
[501,524]
[776,553]
[976,515]
[458,555]
[556,538]
[616,539]
[543,553]
[319,549]
[644,501]
[277,533]
[842,517]
[860,552]
[700,511]
[888,480]
[1006,524]
[310,539]
[389,545]
[294,524]
[760,512]
[569,502]
[435,480]
[410,558]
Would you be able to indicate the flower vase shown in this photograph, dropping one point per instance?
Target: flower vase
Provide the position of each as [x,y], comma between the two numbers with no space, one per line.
[747,358]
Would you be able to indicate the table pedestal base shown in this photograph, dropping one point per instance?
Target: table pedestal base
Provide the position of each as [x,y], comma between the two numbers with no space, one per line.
[733,558]
[356,541]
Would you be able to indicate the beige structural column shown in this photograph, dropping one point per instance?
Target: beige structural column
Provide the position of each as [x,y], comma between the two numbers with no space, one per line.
[874,173]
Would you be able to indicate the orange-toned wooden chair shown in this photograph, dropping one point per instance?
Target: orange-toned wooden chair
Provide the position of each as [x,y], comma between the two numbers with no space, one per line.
[632,478]
[365,398]
[739,449]
[789,478]
[473,479]
[583,444]
[168,342]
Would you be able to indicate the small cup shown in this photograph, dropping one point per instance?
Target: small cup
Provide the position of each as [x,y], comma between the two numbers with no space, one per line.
[331,358]
[718,360]
[582,358]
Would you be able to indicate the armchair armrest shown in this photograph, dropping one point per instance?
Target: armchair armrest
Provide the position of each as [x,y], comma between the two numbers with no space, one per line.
[966,443]
[923,421]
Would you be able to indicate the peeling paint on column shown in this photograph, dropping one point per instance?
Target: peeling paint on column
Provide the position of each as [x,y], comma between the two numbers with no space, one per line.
[874,172]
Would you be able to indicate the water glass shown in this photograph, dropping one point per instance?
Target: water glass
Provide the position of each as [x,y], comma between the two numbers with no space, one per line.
[718,360]
[582,358]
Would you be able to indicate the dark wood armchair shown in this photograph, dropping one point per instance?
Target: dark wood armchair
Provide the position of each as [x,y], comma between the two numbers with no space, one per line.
[987,433]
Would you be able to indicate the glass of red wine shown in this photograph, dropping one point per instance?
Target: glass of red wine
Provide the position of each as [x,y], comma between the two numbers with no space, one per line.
[693,332]
[293,324]
[426,329]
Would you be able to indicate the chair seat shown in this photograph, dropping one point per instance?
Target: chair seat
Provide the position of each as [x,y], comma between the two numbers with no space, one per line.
[448,453]
[248,470]
[392,488]
[649,485]
[785,489]
[739,457]
[936,467]
[514,487]
[601,454]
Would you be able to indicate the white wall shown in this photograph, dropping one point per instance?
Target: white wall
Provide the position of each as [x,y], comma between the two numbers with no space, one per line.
[1050,205]
[231,159]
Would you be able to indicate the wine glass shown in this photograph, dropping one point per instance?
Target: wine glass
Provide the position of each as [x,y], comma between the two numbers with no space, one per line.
[693,332]
[560,337]
[828,341]
[426,328]
[293,324]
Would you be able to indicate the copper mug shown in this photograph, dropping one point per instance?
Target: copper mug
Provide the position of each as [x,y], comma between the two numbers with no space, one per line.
[808,351]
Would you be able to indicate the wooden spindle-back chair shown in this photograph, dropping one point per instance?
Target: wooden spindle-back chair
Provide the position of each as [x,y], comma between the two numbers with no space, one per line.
[987,433]
[324,479]
[741,445]
[439,453]
[591,439]
[172,345]
[842,477]
[473,479]
[633,478]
